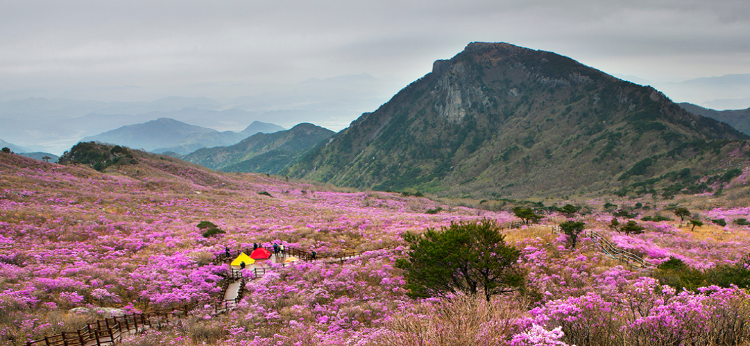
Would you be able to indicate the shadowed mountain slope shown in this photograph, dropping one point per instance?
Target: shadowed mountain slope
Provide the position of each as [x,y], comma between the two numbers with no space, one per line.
[739,119]
[501,120]
[264,153]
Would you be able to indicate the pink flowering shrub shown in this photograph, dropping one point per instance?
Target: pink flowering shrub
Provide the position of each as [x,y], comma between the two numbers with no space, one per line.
[73,237]
[538,336]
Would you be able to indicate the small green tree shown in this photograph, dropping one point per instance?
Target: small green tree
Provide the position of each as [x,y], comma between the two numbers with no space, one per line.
[572,229]
[46,158]
[212,231]
[614,224]
[624,213]
[6,150]
[526,214]
[682,213]
[569,210]
[632,227]
[698,223]
[470,257]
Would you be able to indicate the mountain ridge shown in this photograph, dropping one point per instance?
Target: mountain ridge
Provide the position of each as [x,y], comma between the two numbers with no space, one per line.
[12,147]
[166,134]
[502,120]
[261,152]
[739,118]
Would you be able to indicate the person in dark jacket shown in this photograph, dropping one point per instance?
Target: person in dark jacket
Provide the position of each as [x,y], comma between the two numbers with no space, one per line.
[226,251]
[242,265]
[313,254]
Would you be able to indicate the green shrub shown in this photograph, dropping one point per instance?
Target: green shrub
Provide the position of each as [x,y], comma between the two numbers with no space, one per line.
[624,213]
[264,193]
[206,225]
[727,275]
[741,222]
[672,264]
[632,227]
[720,222]
[434,211]
[677,274]
[656,218]
[212,231]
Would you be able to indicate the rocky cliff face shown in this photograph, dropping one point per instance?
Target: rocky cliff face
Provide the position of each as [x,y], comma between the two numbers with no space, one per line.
[501,120]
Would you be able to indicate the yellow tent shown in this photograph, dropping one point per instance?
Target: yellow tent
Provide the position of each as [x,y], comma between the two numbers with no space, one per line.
[242,258]
[291,259]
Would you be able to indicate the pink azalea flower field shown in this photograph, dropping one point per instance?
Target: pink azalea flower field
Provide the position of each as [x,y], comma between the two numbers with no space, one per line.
[72,237]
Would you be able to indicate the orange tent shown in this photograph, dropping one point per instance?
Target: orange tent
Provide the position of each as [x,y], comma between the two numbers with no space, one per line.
[260,253]
[291,259]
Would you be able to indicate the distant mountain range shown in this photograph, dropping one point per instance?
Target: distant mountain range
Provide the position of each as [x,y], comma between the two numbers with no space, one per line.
[169,135]
[26,152]
[739,119]
[63,117]
[498,120]
[262,152]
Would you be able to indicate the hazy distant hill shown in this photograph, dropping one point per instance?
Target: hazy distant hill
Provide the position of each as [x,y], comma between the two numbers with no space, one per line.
[166,134]
[260,127]
[265,153]
[12,147]
[41,156]
[739,119]
[501,120]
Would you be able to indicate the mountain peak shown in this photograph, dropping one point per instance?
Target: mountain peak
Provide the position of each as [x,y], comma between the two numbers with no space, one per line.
[498,119]
[260,127]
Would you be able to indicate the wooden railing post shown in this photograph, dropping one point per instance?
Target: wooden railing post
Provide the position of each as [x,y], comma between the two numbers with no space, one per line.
[96,336]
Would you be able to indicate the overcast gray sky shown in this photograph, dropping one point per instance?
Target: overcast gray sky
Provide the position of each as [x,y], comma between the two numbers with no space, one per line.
[171,44]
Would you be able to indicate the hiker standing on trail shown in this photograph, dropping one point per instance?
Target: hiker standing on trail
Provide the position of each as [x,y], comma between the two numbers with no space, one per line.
[313,253]
[255,246]
[226,250]
[281,248]
[275,249]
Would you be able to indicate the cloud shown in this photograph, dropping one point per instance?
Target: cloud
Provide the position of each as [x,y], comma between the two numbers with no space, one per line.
[178,43]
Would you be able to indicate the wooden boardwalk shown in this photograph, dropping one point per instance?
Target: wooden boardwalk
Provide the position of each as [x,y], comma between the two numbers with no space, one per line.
[109,331]
[612,251]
